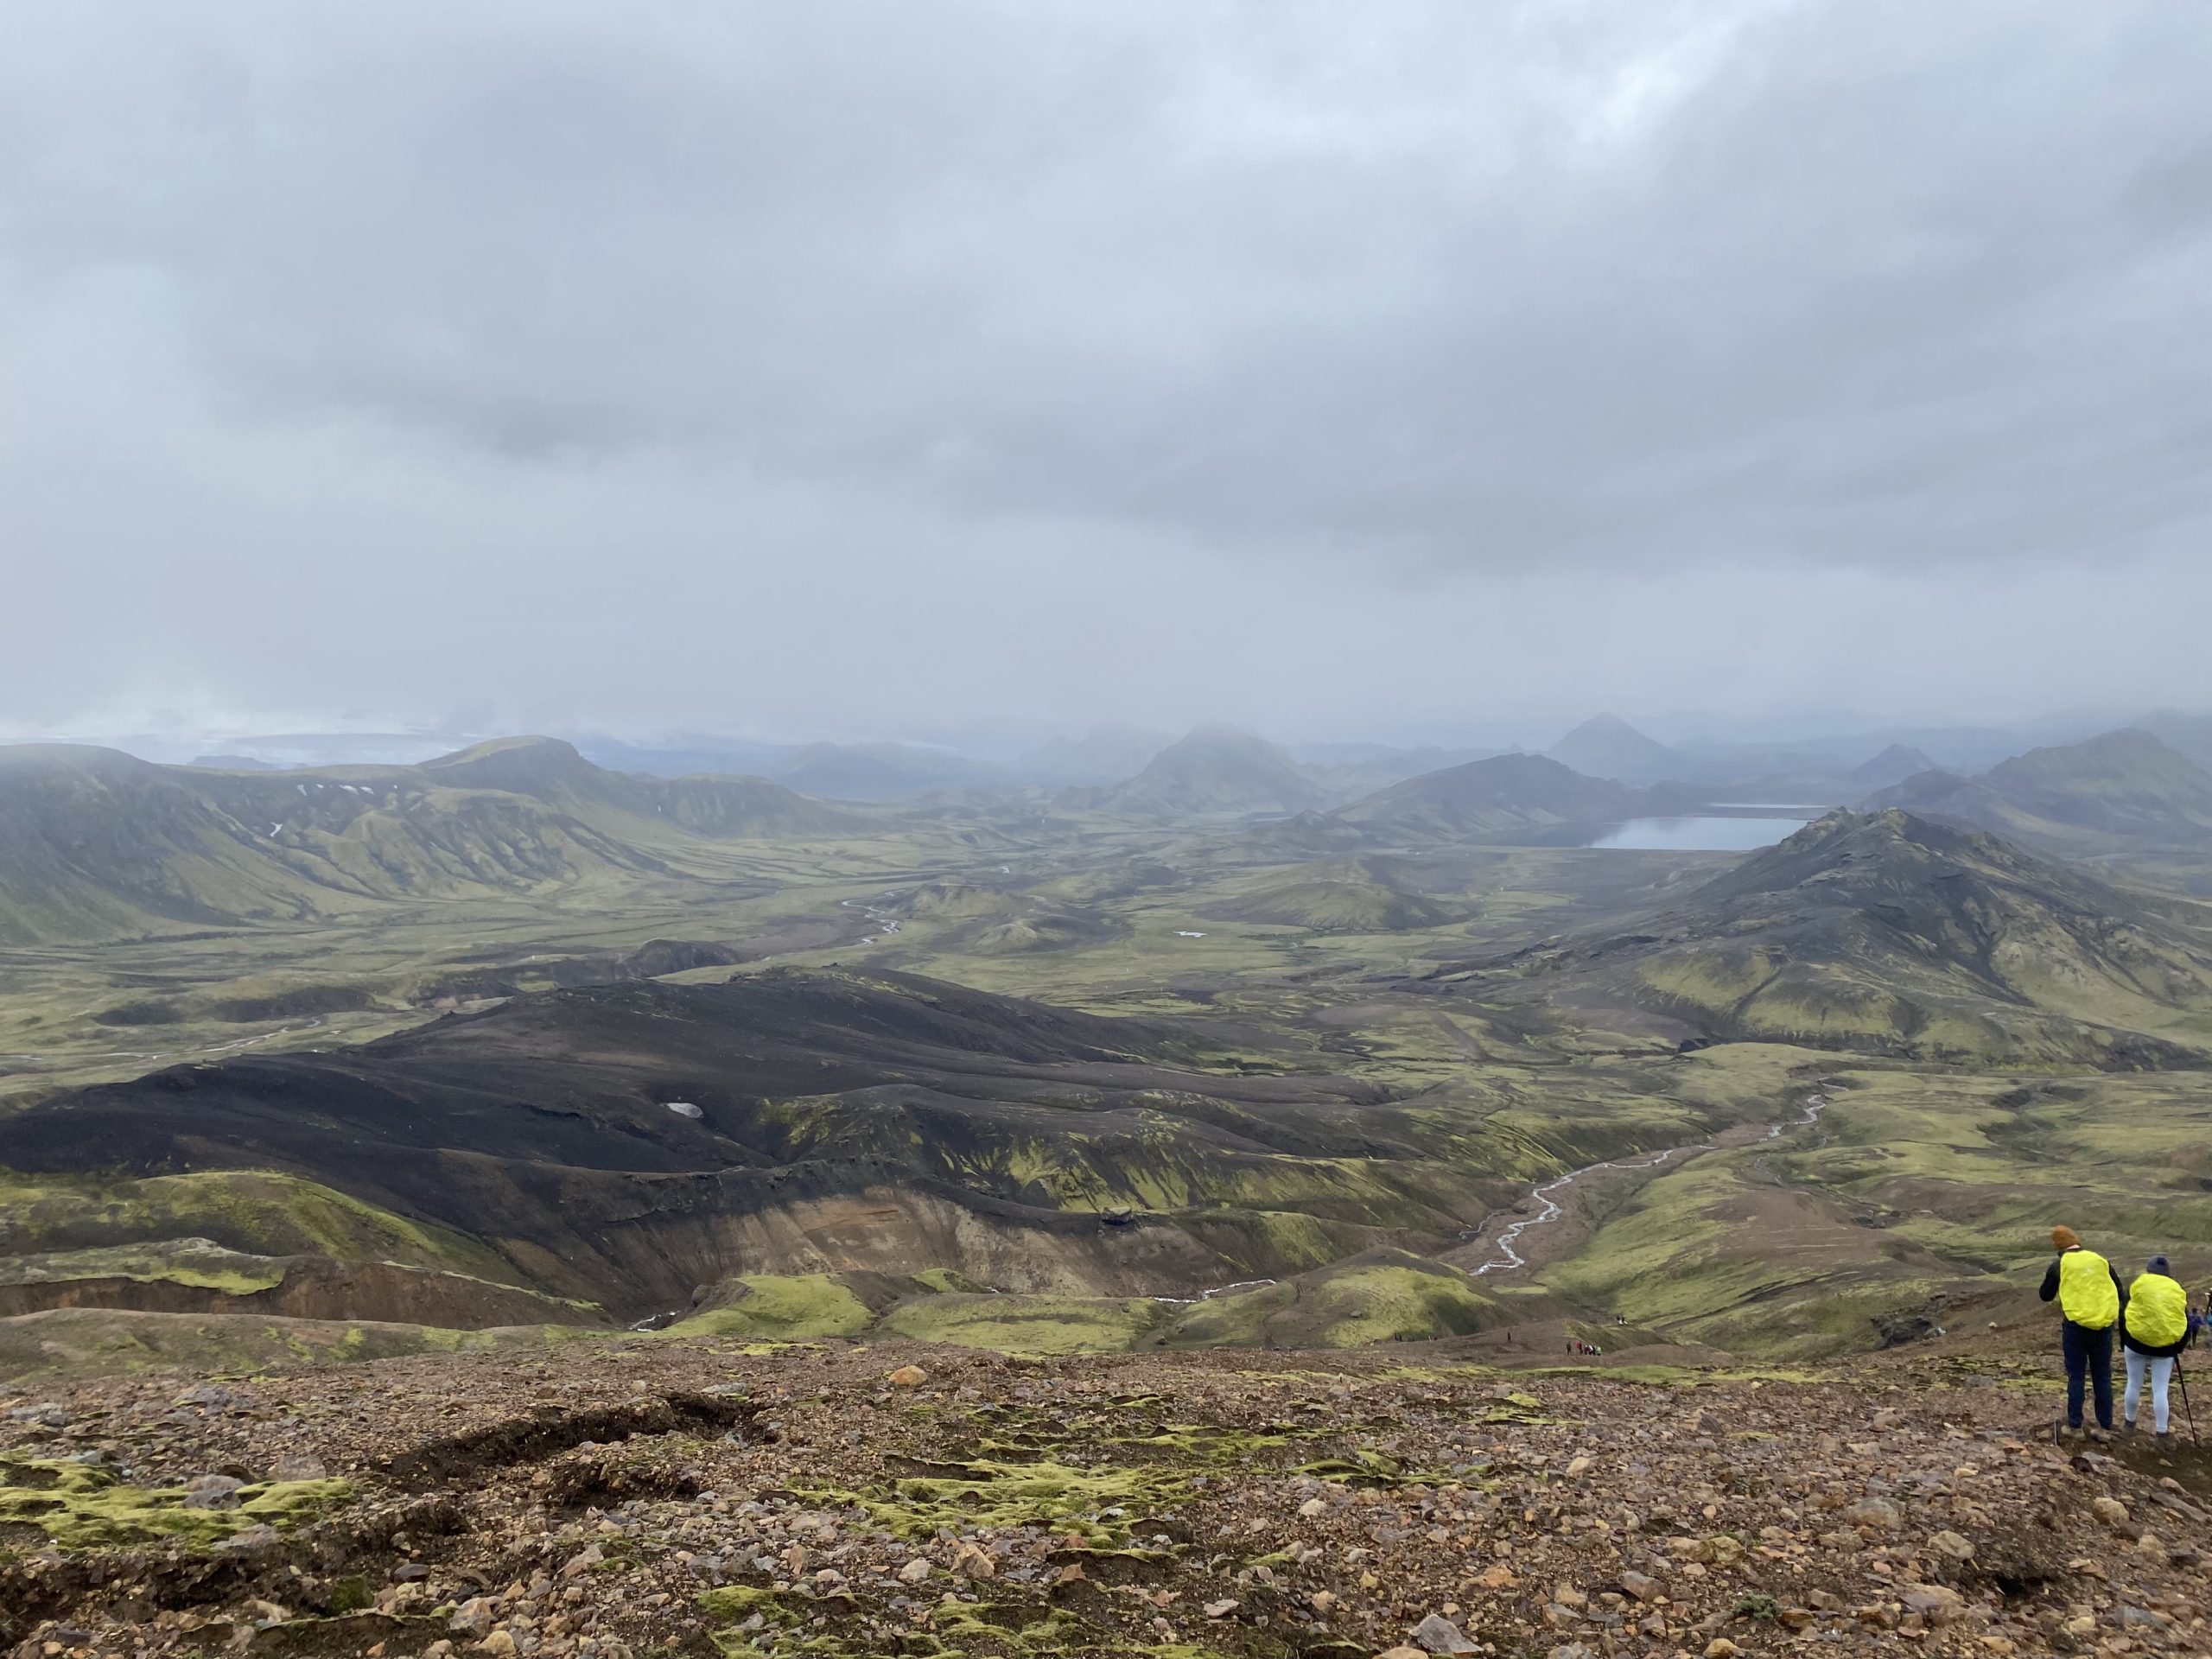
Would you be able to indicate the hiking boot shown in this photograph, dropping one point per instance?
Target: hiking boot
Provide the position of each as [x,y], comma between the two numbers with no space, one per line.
[2071,1432]
[2101,1436]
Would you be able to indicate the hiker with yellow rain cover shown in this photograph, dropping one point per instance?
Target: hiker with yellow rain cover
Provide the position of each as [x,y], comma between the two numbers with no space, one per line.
[2153,1329]
[2090,1296]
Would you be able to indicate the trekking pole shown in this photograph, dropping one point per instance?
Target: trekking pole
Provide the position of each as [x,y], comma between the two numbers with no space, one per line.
[2182,1377]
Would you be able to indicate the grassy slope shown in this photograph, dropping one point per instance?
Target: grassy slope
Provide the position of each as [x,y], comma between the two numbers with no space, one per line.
[1917,1193]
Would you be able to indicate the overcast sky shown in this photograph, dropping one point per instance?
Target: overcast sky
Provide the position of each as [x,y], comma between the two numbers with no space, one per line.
[857,369]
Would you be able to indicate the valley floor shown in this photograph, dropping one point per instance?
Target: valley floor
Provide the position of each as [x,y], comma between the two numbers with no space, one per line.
[612,1499]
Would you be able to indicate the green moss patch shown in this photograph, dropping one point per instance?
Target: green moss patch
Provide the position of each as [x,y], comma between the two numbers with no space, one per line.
[199,1263]
[1388,1296]
[1099,1505]
[80,1507]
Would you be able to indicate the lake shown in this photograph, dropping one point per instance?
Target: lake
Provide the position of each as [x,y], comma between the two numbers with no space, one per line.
[1697,834]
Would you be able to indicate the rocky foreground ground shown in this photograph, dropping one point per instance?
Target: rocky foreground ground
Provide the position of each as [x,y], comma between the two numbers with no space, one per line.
[621,1499]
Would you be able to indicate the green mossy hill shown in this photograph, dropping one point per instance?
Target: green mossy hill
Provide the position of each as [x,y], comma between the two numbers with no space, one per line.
[1506,797]
[253,1212]
[966,918]
[1888,934]
[1215,771]
[76,1506]
[195,1276]
[781,1308]
[1351,896]
[1383,1296]
[1387,1297]
[1028,1325]
[96,845]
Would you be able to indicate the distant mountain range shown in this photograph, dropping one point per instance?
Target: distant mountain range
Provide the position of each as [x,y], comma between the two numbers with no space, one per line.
[95,844]
[1103,756]
[1837,768]
[2126,788]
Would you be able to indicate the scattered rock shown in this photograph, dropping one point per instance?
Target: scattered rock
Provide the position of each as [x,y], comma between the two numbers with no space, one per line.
[246,1542]
[914,1572]
[1874,1515]
[1951,1546]
[211,1492]
[1437,1634]
[2110,1510]
[908,1377]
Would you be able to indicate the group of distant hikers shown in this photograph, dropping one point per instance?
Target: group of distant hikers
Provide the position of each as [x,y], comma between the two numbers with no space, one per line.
[2152,1314]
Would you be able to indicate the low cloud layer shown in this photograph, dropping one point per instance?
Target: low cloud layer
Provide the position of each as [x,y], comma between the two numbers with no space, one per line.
[868,367]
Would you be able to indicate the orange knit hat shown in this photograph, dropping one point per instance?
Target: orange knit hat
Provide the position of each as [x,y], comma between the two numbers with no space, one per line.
[2064,1238]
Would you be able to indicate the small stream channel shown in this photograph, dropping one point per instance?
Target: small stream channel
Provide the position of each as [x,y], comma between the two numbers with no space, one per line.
[1507,1257]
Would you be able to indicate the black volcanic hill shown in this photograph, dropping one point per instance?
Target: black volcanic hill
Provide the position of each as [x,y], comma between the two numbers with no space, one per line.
[1891,934]
[95,844]
[1215,771]
[628,1143]
[1504,796]
[2123,789]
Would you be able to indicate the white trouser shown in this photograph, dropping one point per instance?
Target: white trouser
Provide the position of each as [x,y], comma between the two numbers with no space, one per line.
[2161,1371]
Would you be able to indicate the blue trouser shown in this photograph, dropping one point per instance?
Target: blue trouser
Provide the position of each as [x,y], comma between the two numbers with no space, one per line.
[2089,1358]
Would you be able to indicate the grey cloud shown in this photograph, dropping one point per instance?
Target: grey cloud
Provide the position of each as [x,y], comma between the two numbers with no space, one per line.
[423,324]
[1844,282]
